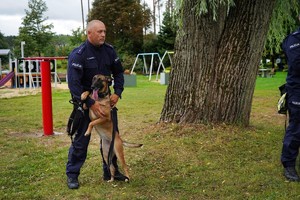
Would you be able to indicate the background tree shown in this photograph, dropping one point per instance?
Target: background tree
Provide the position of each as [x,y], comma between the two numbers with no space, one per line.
[3,45]
[34,31]
[124,21]
[3,42]
[167,34]
[10,41]
[284,21]
[218,49]
[60,45]
[156,7]
[78,36]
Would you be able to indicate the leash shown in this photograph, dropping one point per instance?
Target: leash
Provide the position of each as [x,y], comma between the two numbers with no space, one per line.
[282,105]
[74,119]
[113,115]
[115,129]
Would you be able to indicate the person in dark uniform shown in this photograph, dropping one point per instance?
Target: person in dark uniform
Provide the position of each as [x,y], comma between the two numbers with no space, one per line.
[291,141]
[93,57]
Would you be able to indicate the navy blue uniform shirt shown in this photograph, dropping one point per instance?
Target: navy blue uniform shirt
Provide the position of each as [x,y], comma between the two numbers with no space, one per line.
[291,47]
[86,61]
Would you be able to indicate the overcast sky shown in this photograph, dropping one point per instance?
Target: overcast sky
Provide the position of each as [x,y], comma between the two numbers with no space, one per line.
[65,15]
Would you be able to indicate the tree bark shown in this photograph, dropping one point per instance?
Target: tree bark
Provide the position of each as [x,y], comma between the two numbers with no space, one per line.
[216,63]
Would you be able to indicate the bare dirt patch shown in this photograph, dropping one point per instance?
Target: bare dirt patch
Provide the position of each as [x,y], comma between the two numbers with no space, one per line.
[7,92]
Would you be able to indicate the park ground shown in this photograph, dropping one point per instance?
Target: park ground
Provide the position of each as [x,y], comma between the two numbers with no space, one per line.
[176,161]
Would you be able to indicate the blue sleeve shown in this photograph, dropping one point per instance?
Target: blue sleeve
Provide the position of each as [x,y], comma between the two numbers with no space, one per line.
[292,49]
[75,73]
[117,72]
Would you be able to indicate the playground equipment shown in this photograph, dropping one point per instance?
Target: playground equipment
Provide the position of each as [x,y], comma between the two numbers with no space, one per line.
[162,59]
[47,98]
[161,64]
[46,90]
[28,71]
[145,68]
[32,72]
[3,81]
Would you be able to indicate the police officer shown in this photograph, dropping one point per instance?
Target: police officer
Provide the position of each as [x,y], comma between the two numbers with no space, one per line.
[91,58]
[291,141]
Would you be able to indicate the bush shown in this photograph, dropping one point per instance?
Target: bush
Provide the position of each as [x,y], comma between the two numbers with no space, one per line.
[127,61]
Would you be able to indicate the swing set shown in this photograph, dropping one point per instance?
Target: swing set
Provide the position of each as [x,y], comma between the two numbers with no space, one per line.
[153,55]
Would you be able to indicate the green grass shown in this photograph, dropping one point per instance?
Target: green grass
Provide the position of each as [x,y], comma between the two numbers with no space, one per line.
[176,162]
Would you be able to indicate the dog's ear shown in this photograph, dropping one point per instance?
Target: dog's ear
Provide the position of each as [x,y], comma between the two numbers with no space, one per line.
[94,78]
[109,79]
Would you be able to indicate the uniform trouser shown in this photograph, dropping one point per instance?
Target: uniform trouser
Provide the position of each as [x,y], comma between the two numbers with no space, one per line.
[291,141]
[78,149]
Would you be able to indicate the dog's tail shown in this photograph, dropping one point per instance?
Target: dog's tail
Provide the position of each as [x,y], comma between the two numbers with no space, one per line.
[131,145]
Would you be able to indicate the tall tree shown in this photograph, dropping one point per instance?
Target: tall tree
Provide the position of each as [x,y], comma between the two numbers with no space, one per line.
[60,46]
[77,37]
[3,45]
[124,21]
[284,21]
[157,4]
[34,30]
[3,42]
[170,5]
[218,50]
[167,34]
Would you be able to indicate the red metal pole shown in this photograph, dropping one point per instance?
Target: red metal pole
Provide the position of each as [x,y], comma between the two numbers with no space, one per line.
[46,98]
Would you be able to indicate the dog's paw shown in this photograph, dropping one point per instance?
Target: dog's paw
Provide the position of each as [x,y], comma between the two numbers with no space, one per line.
[84,95]
[84,106]
[111,180]
[87,134]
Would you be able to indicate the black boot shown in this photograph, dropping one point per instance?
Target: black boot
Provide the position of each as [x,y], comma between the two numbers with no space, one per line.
[291,174]
[73,183]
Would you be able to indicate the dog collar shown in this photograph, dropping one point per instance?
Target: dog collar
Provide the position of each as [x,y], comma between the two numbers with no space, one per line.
[102,95]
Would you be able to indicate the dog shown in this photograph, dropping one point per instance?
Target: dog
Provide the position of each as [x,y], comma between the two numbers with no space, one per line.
[104,125]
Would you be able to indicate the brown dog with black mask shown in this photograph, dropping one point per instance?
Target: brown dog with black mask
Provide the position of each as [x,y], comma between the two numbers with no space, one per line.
[104,125]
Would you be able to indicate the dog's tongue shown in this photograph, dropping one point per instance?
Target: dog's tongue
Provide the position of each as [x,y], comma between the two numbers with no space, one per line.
[95,93]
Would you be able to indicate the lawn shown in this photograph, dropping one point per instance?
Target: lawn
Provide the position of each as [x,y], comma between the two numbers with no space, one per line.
[176,161]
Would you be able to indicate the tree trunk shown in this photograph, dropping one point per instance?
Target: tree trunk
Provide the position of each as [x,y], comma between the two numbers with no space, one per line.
[216,63]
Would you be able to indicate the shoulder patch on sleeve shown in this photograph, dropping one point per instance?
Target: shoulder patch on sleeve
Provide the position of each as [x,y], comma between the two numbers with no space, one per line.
[117,59]
[108,45]
[77,65]
[80,49]
[296,33]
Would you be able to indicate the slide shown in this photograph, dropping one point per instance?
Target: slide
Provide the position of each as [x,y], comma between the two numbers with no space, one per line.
[7,78]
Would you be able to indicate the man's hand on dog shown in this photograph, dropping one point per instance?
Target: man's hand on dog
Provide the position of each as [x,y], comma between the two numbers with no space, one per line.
[96,108]
[114,100]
